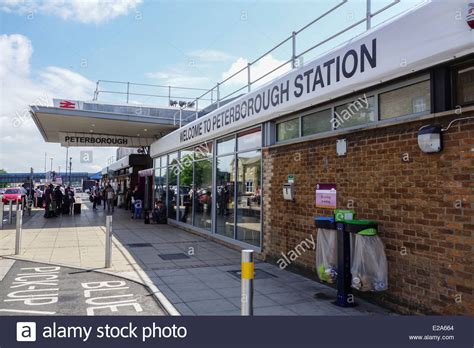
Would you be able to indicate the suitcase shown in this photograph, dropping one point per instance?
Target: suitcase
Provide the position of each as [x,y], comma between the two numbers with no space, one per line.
[77,208]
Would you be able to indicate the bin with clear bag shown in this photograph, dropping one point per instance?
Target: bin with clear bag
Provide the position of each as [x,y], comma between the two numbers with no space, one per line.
[369,268]
[326,250]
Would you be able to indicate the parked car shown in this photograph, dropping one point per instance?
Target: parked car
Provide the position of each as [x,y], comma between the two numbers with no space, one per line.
[77,189]
[2,191]
[14,194]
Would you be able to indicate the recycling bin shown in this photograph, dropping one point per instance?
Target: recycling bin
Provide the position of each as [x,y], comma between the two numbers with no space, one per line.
[369,268]
[326,249]
[349,253]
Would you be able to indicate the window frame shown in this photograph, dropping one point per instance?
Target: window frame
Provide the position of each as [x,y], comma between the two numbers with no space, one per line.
[213,157]
[299,118]
[375,93]
[454,75]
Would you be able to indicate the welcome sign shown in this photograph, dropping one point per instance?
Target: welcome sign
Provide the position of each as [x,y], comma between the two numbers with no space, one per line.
[310,80]
[376,56]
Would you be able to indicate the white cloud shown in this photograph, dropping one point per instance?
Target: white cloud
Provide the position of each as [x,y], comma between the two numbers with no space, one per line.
[16,52]
[178,78]
[85,11]
[257,70]
[210,55]
[22,146]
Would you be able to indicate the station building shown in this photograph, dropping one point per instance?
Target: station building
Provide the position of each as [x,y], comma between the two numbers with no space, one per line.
[371,96]
[387,119]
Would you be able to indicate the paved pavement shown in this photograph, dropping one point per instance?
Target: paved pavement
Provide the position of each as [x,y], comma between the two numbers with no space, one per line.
[32,288]
[26,216]
[189,274]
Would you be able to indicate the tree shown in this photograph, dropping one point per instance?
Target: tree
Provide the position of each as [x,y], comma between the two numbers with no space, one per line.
[3,171]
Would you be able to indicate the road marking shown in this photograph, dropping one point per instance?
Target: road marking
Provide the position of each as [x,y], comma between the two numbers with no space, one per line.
[25,311]
[5,266]
[110,302]
[47,287]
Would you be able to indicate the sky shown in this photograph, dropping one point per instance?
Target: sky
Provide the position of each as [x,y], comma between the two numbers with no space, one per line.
[60,48]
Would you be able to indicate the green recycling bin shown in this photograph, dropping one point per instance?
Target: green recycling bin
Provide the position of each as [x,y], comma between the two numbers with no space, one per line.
[369,263]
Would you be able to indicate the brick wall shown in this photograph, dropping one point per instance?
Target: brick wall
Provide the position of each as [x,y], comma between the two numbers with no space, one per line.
[428,233]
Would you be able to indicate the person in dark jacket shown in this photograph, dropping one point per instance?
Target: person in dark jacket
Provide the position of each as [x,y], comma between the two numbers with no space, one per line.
[137,198]
[128,199]
[159,213]
[58,198]
[68,200]
[48,198]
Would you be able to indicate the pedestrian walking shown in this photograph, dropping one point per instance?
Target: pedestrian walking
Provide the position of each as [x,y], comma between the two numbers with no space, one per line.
[103,196]
[110,196]
[95,195]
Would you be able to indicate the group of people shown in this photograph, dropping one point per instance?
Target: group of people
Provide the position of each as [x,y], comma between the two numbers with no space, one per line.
[105,194]
[55,200]
[133,201]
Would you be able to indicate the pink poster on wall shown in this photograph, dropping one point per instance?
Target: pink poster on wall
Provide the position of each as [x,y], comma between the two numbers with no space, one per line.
[326,196]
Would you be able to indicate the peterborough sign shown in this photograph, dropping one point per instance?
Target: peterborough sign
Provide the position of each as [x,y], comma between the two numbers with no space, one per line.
[102,140]
[408,43]
[310,80]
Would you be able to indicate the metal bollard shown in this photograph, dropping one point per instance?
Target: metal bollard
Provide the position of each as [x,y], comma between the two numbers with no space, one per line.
[247,282]
[19,222]
[10,215]
[108,241]
[2,206]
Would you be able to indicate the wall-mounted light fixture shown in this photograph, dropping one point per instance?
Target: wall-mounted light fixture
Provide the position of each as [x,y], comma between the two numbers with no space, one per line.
[429,138]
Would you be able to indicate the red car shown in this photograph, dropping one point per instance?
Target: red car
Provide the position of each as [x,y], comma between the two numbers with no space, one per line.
[12,193]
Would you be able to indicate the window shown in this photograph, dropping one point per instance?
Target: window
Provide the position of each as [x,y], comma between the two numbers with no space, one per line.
[404,101]
[172,172]
[249,139]
[202,194]
[225,181]
[185,193]
[160,192]
[249,186]
[203,150]
[173,158]
[187,154]
[288,129]
[317,122]
[164,161]
[358,112]
[465,85]
[248,201]
[226,145]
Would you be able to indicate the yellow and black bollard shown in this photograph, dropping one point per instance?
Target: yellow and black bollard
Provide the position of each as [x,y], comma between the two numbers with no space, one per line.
[247,282]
